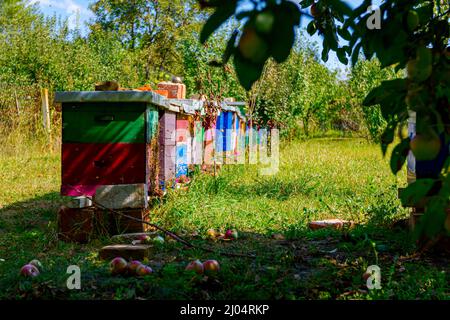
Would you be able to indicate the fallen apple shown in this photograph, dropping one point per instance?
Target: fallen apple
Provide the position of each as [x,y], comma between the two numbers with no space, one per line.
[143,270]
[211,267]
[231,234]
[29,270]
[133,265]
[426,147]
[144,238]
[158,240]
[196,266]
[118,266]
[36,263]
[366,276]
[211,233]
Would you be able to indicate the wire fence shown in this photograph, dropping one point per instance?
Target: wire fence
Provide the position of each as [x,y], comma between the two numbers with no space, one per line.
[22,119]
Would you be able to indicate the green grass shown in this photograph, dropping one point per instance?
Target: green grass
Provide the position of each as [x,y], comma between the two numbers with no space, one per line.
[320,178]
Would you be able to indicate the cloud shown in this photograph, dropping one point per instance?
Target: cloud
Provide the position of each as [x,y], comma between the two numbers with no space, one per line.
[69,8]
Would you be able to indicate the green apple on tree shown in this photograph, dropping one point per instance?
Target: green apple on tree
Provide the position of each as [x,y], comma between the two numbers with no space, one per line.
[412,20]
[264,22]
[252,46]
[426,146]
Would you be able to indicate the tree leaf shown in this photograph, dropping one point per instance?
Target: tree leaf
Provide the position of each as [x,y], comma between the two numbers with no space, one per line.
[244,14]
[292,10]
[230,47]
[433,221]
[311,28]
[355,54]
[416,191]
[341,54]
[282,40]
[344,33]
[387,137]
[247,72]
[340,6]
[325,51]
[222,14]
[399,155]
[388,92]
[306,3]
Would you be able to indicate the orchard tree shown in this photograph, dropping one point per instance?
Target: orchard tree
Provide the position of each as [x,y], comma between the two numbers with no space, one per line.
[365,76]
[199,73]
[150,27]
[411,35]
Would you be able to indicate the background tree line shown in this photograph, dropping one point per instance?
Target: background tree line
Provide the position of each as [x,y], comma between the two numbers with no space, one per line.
[147,41]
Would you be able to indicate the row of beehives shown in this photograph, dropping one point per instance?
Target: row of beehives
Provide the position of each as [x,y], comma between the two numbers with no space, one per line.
[118,147]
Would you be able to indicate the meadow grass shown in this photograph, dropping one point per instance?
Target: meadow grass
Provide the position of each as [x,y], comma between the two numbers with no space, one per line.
[319,178]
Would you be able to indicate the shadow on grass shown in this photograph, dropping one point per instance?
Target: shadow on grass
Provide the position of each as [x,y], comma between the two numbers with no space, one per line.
[27,214]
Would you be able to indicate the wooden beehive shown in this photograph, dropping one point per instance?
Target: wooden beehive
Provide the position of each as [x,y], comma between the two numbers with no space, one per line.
[167,147]
[182,139]
[110,143]
[220,138]
[183,145]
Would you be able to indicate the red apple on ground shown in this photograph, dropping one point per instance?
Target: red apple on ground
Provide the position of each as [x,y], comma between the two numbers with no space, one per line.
[144,238]
[231,234]
[133,265]
[29,270]
[366,275]
[118,265]
[211,267]
[196,266]
[143,270]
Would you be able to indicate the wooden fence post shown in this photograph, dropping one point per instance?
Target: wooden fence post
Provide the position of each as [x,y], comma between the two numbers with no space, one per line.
[17,102]
[45,111]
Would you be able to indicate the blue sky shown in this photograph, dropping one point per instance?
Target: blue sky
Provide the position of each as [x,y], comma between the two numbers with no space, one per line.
[71,9]
[79,9]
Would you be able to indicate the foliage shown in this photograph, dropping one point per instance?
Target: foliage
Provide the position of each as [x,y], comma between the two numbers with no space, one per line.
[421,29]
[153,26]
[364,77]
[301,89]
[200,77]
[44,52]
